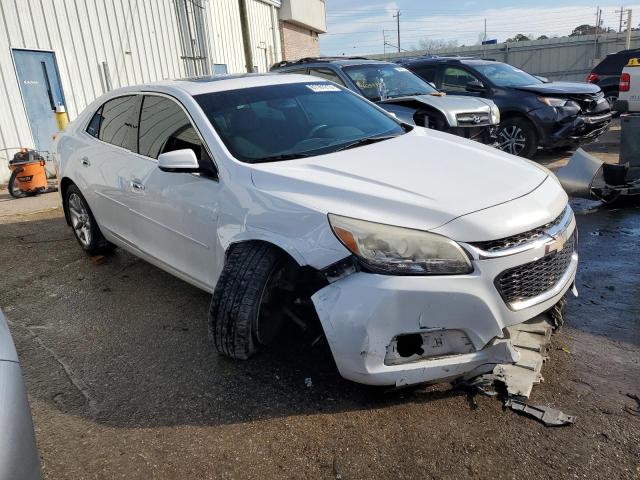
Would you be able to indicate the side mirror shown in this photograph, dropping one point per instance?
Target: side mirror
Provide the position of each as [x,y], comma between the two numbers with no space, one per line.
[542,79]
[179,161]
[475,86]
[433,85]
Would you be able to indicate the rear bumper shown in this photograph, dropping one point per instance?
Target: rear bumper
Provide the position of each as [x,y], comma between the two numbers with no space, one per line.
[363,313]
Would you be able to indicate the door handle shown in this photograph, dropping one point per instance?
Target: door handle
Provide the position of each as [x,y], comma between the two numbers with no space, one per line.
[85,161]
[137,186]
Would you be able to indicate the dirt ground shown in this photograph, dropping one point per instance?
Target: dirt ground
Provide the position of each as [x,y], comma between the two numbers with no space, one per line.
[123,382]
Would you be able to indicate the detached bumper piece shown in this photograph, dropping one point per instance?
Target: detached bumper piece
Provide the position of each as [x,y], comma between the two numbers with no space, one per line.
[530,340]
[586,176]
[550,417]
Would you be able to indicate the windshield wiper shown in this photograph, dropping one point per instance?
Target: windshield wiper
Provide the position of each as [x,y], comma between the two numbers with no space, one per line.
[365,141]
[282,156]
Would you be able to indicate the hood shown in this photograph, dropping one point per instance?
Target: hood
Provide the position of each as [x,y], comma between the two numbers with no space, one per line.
[456,103]
[422,179]
[562,88]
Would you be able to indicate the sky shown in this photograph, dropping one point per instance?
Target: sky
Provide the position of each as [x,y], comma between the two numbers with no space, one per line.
[355,27]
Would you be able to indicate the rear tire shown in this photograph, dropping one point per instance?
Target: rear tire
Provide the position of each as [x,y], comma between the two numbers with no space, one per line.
[518,137]
[85,227]
[239,322]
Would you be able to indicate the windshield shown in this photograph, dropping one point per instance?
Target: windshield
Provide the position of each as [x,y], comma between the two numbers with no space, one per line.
[505,75]
[295,120]
[381,81]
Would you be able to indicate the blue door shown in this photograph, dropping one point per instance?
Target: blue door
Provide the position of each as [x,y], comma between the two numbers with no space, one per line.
[41,91]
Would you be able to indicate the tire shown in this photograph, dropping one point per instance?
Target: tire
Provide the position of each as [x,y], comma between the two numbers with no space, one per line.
[84,225]
[518,137]
[238,315]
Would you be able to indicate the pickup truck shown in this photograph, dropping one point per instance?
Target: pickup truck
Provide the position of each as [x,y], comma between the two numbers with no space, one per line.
[630,84]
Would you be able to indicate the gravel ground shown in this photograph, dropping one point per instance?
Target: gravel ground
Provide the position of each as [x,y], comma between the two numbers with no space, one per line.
[124,384]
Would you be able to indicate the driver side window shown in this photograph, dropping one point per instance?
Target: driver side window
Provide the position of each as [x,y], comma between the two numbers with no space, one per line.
[164,127]
[455,79]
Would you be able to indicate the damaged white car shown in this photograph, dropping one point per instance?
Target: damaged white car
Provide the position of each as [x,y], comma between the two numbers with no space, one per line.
[425,256]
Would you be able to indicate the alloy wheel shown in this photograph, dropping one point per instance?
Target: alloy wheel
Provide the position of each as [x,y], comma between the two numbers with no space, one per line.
[80,219]
[511,139]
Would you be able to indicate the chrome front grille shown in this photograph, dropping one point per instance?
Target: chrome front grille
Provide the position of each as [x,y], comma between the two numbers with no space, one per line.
[520,238]
[472,119]
[533,279]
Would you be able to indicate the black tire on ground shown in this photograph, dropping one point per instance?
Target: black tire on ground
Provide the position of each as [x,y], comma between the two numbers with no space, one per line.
[518,137]
[90,237]
[250,273]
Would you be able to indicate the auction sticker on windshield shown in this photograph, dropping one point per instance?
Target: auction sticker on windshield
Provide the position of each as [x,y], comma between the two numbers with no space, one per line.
[323,88]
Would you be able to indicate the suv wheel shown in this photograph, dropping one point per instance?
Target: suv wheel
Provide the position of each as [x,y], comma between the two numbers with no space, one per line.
[247,304]
[85,227]
[518,137]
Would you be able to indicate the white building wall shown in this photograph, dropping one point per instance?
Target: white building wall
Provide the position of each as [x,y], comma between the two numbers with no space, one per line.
[137,39]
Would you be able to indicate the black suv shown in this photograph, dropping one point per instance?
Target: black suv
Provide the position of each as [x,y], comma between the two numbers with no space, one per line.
[607,73]
[534,112]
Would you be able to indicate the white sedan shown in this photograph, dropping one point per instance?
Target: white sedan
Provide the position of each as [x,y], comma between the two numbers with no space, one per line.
[415,249]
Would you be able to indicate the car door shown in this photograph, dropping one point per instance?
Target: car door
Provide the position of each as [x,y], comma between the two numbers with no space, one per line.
[105,165]
[454,79]
[176,213]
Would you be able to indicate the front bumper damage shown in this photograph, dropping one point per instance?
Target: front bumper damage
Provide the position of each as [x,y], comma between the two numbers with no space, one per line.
[466,327]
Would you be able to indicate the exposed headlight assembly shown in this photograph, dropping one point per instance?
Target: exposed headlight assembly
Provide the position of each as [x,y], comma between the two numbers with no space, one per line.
[400,251]
[553,102]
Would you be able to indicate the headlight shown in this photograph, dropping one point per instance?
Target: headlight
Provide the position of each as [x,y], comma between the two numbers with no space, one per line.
[553,102]
[495,115]
[400,251]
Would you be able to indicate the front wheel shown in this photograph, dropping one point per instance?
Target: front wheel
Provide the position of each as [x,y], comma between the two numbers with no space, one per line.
[247,305]
[518,137]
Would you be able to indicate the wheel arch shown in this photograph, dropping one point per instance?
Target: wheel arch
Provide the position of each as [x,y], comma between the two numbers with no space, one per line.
[511,114]
[65,183]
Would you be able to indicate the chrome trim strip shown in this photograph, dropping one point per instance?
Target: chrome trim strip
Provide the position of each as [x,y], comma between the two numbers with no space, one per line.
[557,288]
[550,234]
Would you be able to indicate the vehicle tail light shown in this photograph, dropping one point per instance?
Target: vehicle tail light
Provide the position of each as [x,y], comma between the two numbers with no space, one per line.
[625,82]
[592,78]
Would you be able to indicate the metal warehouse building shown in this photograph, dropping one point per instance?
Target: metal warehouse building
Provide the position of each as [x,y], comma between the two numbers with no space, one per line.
[68,52]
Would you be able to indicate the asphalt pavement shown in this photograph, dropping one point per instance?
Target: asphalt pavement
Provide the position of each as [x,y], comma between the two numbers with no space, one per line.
[124,383]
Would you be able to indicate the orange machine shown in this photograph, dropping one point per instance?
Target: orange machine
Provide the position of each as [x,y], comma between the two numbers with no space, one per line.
[28,175]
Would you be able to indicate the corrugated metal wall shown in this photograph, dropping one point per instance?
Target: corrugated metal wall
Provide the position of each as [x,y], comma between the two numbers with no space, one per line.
[113,43]
[566,58]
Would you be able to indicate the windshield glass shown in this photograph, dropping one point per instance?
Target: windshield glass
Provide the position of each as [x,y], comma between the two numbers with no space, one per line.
[381,81]
[505,75]
[282,122]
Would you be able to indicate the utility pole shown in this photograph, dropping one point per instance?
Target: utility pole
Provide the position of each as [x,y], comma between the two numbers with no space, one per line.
[384,45]
[397,17]
[484,39]
[595,43]
[628,42]
[621,12]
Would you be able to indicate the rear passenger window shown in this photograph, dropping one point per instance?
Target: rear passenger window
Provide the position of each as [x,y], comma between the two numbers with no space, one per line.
[165,127]
[426,73]
[327,74]
[119,122]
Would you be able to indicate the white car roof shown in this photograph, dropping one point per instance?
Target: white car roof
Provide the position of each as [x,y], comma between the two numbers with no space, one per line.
[220,83]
